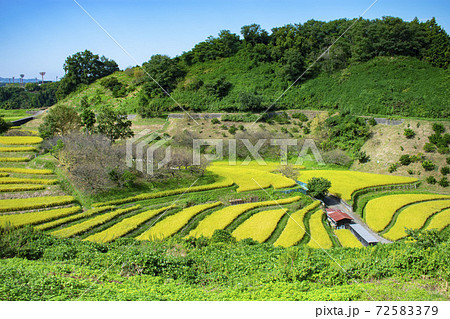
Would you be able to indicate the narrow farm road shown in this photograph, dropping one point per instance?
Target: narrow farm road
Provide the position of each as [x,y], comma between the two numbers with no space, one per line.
[335,203]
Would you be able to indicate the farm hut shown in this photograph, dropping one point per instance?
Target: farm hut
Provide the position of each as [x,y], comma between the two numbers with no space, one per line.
[337,218]
[362,234]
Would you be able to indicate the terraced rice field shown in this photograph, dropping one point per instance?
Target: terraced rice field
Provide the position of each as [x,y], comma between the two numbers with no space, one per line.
[414,217]
[440,221]
[345,183]
[379,212]
[10,205]
[347,239]
[319,235]
[295,229]
[20,140]
[260,226]
[37,217]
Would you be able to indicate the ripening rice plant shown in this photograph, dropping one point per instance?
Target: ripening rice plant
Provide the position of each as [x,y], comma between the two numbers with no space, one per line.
[378,212]
[224,182]
[225,216]
[345,183]
[125,226]
[9,205]
[251,178]
[14,159]
[319,235]
[62,221]
[18,149]
[414,217]
[91,223]
[4,174]
[26,170]
[20,140]
[4,188]
[172,224]
[347,239]
[295,229]
[37,217]
[17,180]
[260,226]
[440,220]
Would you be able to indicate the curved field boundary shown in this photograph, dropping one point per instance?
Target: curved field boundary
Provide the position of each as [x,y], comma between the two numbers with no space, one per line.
[345,183]
[68,219]
[414,217]
[20,140]
[319,235]
[224,183]
[9,205]
[14,159]
[91,223]
[17,180]
[26,170]
[347,239]
[260,226]
[293,233]
[4,188]
[37,217]
[222,218]
[249,179]
[18,149]
[125,226]
[172,224]
[379,212]
[440,220]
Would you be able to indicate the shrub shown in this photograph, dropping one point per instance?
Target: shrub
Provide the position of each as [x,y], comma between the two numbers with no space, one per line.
[445,170]
[438,128]
[443,150]
[222,236]
[429,147]
[232,129]
[338,157]
[300,116]
[372,121]
[318,187]
[428,165]
[405,160]
[409,133]
[448,160]
[362,157]
[431,180]
[392,168]
[215,121]
[443,182]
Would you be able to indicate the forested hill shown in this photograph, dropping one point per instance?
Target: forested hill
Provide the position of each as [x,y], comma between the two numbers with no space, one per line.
[381,67]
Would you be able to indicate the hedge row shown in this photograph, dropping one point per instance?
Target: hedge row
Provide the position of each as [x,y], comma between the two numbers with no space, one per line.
[17,180]
[91,223]
[68,219]
[8,205]
[26,170]
[37,217]
[5,188]
[224,183]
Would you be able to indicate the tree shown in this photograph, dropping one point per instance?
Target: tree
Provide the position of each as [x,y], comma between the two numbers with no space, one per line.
[84,68]
[218,88]
[293,65]
[113,124]
[318,187]
[88,120]
[60,120]
[254,34]
[165,71]
[249,102]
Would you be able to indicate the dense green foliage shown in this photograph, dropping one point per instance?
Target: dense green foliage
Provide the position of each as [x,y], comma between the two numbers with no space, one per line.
[32,96]
[208,269]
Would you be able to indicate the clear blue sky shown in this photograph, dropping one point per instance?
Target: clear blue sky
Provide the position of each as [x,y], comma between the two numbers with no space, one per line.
[38,35]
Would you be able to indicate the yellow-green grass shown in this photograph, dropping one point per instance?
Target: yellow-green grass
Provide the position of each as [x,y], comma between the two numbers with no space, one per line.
[37,217]
[347,239]
[319,235]
[4,174]
[18,149]
[440,221]
[223,217]
[251,178]
[20,140]
[414,217]
[5,188]
[26,170]
[379,211]
[125,226]
[18,180]
[172,224]
[224,182]
[295,228]
[260,226]
[345,183]
[71,218]
[91,223]
[14,159]
[9,205]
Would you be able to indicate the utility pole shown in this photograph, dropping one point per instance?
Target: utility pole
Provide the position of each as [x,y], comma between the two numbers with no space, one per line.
[42,74]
